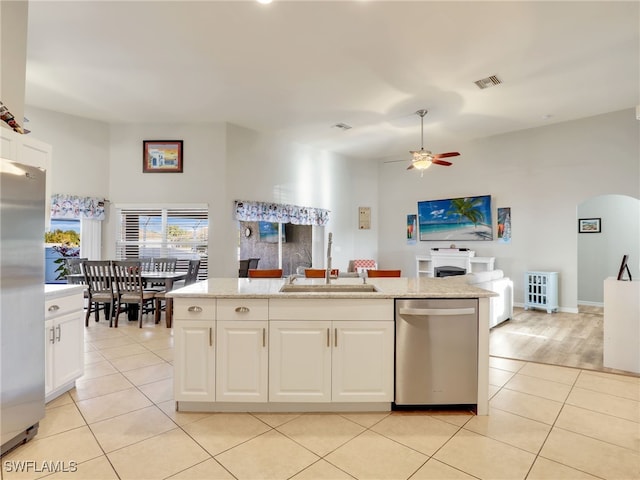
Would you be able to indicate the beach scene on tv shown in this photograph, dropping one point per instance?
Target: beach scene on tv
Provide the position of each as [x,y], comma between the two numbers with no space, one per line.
[465,218]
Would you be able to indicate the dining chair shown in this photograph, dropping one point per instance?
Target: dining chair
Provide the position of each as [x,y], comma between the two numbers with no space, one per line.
[243,270]
[130,287]
[265,273]
[384,273]
[167,264]
[192,277]
[73,266]
[319,272]
[253,263]
[100,292]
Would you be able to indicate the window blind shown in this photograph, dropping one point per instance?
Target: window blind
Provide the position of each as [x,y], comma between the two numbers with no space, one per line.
[157,232]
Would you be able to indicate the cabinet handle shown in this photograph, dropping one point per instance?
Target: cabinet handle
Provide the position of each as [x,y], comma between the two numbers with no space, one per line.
[59,332]
[54,308]
[52,339]
[210,337]
[242,309]
[335,337]
[264,337]
[328,337]
[194,309]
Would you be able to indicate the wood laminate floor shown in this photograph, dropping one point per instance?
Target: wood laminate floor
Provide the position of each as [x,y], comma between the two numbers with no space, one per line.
[566,339]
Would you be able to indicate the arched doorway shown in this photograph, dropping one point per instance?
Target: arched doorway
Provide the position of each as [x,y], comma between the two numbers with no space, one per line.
[599,254]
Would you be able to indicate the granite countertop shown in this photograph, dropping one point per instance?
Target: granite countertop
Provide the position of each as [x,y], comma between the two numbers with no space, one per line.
[406,287]
[61,290]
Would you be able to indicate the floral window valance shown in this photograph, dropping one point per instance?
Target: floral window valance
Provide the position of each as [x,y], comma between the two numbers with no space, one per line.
[71,206]
[281,213]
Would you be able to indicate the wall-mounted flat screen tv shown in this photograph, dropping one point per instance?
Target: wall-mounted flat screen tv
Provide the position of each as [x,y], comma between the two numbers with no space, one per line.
[459,219]
[269,232]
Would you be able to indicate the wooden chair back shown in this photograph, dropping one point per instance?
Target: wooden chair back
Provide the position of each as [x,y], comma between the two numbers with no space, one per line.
[192,272]
[319,272]
[243,270]
[253,263]
[130,287]
[98,277]
[167,264]
[265,273]
[74,267]
[384,273]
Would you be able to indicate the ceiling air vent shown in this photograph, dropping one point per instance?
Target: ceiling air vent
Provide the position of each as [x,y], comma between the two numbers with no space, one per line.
[342,126]
[488,82]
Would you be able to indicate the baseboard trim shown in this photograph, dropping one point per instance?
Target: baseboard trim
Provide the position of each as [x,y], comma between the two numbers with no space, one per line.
[560,309]
[591,304]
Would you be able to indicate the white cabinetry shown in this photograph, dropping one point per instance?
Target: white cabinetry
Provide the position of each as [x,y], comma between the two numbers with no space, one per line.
[24,149]
[541,290]
[319,352]
[28,150]
[242,350]
[194,350]
[362,361]
[231,352]
[64,342]
[300,361]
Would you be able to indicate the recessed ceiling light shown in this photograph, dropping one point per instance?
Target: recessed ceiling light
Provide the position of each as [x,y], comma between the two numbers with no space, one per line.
[264,2]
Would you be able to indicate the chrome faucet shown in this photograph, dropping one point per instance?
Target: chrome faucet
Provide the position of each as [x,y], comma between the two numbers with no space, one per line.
[328,273]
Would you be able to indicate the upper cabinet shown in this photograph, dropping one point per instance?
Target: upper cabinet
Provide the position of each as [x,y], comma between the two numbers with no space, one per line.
[29,151]
[24,149]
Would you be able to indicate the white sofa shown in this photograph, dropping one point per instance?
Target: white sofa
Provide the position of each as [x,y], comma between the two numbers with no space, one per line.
[500,307]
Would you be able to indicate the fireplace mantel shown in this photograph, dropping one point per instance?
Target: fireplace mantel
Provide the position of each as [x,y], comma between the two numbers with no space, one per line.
[452,257]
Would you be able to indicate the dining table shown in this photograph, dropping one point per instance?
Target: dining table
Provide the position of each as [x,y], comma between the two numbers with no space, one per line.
[167,278]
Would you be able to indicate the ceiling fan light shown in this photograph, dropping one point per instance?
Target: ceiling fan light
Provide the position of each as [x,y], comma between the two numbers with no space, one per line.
[421,164]
[421,159]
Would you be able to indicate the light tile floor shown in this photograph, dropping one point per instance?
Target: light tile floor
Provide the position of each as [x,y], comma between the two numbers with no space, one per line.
[119,422]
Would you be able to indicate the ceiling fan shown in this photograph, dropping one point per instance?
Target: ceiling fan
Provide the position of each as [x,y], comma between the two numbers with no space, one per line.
[422,159]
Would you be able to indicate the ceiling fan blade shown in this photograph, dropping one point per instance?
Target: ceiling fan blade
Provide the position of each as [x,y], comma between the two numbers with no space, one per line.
[410,167]
[435,161]
[395,161]
[445,155]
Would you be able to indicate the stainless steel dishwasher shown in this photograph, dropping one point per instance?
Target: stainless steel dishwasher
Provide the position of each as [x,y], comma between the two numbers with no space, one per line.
[436,352]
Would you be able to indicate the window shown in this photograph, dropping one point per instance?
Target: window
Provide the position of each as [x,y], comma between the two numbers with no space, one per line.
[181,232]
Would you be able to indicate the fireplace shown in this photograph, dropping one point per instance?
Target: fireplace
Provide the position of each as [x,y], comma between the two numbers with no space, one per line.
[449,271]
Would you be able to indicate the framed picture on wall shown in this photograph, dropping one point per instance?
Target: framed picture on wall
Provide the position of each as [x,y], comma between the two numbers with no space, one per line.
[589,225]
[162,156]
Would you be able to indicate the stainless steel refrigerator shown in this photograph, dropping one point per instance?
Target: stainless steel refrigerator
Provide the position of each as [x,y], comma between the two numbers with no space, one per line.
[22,226]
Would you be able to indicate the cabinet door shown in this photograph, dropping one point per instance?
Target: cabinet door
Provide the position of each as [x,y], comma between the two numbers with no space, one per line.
[241,361]
[362,362]
[299,361]
[49,343]
[68,349]
[194,375]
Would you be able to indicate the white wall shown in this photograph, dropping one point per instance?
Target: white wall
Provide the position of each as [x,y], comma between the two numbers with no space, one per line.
[600,254]
[80,157]
[13,57]
[203,179]
[263,168]
[542,174]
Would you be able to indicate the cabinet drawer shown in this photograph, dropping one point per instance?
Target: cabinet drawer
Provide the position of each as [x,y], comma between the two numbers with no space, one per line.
[243,309]
[194,308]
[61,305]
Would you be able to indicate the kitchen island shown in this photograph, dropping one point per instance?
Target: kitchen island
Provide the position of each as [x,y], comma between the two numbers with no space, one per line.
[245,345]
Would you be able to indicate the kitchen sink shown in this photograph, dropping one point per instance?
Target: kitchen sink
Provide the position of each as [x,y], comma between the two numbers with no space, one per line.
[332,287]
